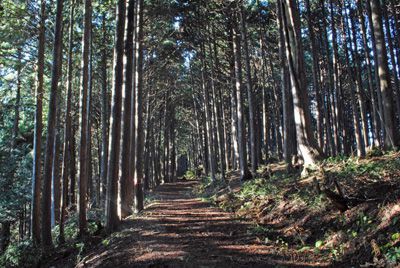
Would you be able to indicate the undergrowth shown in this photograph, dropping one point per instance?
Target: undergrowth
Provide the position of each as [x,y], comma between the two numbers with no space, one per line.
[25,254]
[290,213]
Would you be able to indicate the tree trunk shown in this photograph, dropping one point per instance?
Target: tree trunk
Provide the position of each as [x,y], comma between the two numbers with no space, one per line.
[354,106]
[244,170]
[216,109]
[336,84]
[72,148]
[315,75]
[396,89]
[67,128]
[37,143]
[391,133]
[104,112]
[289,131]
[329,104]
[112,219]
[249,87]
[126,191]
[374,113]
[361,94]
[208,119]
[294,53]
[17,104]
[84,116]
[5,235]
[138,175]
[51,126]
[56,180]
[376,74]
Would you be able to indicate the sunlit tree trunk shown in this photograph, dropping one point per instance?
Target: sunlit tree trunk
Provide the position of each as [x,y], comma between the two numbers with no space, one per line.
[138,175]
[289,131]
[306,142]
[126,191]
[244,170]
[112,219]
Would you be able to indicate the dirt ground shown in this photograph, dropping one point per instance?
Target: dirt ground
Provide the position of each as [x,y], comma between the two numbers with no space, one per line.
[178,230]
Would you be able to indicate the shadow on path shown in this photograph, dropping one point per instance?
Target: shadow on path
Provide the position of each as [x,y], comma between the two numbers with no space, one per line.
[179,230]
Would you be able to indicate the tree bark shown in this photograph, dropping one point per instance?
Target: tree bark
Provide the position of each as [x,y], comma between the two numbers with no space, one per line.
[208,118]
[244,170]
[391,138]
[249,87]
[289,131]
[51,126]
[374,113]
[84,116]
[294,53]
[354,106]
[37,143]
[126,191]
[112,219]
[104,112]
[67,127]
[376,75]
[138,175]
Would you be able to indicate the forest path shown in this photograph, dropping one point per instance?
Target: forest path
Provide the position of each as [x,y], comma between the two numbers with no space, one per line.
[179,230]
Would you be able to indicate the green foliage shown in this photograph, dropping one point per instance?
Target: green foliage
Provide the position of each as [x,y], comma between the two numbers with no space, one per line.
[393,254]
[351,167]
[257,187]
[362,224]
[335,159]
[190,174]
[20,254]
[259,230]
[71,228]
[15,168]
[374,152]
[304,248]
[319,244]
[205,183]
[395,236]
[338,251]
[391,250]
[106,242]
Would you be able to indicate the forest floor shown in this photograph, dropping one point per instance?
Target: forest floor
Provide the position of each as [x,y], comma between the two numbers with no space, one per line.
[177,229]
[344,213]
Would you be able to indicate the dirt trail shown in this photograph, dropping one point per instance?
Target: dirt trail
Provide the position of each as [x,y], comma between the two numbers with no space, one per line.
[178,230]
